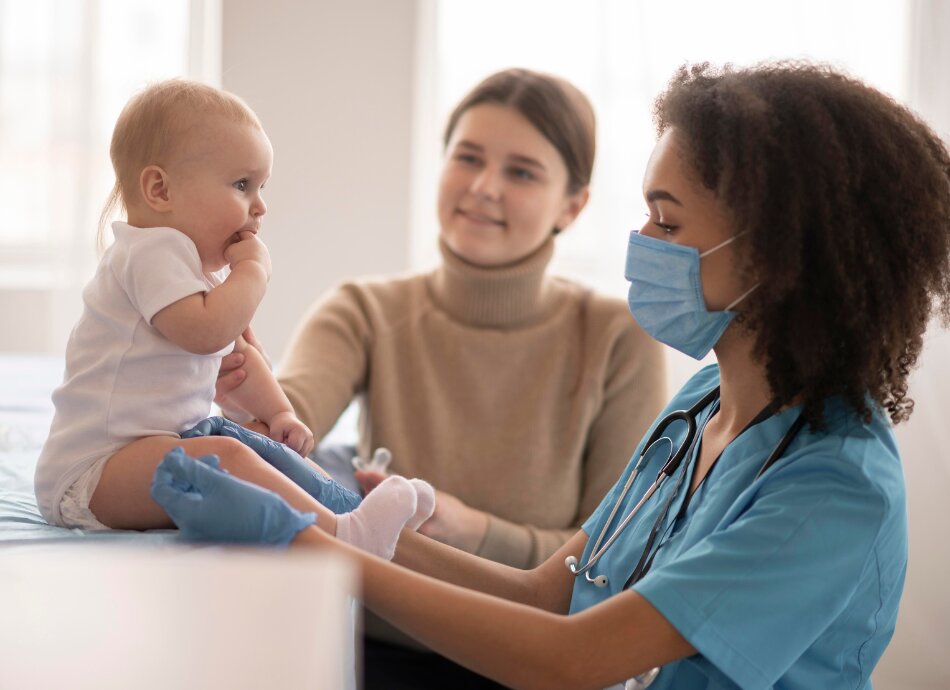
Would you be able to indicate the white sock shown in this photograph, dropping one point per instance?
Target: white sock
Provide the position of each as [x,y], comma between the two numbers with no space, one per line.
[375,525]
[425,503]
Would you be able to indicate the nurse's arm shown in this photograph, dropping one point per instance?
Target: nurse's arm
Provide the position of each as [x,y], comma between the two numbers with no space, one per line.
[547,587]
[518,636]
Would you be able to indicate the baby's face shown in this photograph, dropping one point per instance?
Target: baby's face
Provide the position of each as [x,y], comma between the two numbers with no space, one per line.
[217,189]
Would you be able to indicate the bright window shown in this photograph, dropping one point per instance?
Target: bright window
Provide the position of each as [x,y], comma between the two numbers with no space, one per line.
[66,69]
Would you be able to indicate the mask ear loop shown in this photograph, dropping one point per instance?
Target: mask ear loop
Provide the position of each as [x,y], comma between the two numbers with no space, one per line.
[742,297]
[722,244]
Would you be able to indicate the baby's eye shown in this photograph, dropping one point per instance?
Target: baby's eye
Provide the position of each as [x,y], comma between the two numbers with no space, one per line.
[241,185]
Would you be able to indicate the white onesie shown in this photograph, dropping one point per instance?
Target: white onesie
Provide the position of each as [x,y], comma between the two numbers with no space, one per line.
[124,380]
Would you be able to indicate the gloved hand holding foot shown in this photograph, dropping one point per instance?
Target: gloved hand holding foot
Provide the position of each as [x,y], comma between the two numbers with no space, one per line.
[299,470]
[208,504]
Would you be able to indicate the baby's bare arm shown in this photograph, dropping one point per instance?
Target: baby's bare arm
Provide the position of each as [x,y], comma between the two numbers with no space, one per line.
[260,395]
[206,322]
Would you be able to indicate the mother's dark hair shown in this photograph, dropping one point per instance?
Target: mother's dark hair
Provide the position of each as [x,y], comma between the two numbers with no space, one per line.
[845,195]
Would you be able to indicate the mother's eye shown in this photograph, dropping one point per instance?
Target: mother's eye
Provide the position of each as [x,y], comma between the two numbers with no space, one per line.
[521,173]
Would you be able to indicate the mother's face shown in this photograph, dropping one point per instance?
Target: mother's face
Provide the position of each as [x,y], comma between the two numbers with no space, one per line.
[503,188]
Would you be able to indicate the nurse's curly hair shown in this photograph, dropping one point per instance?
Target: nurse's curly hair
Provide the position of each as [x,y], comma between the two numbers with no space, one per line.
[845,195]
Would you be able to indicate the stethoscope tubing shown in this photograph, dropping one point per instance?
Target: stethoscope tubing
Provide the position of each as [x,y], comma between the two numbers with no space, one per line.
[669,467]
[689,417]
[592,561]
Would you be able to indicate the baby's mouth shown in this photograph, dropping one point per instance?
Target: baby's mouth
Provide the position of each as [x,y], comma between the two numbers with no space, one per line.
[236,237]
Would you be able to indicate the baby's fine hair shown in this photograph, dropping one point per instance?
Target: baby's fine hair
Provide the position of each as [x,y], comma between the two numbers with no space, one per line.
[151,127]
[844,196]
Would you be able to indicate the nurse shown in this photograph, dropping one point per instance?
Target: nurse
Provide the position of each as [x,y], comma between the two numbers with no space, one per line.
[799,225]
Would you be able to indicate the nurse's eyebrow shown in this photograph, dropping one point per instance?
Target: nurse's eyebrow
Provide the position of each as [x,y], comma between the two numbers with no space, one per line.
[662,195]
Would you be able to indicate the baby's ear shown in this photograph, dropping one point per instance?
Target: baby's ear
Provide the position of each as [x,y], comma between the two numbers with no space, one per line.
[153,183]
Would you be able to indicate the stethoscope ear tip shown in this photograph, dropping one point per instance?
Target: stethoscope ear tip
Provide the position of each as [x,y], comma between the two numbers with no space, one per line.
[571,563]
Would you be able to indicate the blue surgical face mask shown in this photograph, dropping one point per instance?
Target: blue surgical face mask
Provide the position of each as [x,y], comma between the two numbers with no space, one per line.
[666,295]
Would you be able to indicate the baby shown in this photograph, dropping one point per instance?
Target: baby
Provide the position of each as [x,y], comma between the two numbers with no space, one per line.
[169,299]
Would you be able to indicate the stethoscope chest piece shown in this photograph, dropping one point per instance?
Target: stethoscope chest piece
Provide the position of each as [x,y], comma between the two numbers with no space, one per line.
[571,563]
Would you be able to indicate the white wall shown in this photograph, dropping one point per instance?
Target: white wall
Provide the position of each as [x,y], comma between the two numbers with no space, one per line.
[333,84]
[917,656]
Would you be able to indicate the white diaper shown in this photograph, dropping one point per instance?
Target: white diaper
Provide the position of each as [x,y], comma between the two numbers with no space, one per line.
[74,508]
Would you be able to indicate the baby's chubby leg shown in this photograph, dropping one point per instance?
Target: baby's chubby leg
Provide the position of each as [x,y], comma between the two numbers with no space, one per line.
[121,499]
[303,472]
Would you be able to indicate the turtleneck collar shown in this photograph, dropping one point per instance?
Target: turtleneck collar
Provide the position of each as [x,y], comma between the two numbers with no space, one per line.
[494,296]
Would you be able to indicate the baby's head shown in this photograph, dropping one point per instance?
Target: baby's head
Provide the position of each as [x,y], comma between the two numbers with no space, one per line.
[191,157]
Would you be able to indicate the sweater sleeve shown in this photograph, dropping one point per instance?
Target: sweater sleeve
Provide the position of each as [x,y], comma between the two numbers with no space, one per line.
[325,366]
[634,391]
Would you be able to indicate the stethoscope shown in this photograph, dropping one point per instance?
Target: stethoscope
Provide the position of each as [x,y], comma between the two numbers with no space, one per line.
[669,468]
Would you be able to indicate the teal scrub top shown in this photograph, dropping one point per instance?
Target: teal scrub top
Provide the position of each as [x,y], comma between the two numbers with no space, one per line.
[788,581]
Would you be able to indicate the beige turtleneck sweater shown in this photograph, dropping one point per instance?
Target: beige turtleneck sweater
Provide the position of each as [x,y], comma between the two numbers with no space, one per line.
[522,394]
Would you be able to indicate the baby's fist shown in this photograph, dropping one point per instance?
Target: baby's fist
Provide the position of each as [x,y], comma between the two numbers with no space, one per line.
[249,248]
[287,429]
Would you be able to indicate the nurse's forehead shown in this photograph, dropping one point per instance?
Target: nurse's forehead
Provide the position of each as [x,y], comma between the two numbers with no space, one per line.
[663,179]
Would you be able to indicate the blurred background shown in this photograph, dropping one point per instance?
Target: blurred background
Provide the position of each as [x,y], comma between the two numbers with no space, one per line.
[354,96]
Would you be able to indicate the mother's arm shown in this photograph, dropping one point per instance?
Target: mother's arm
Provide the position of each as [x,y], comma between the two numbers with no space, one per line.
[632,390]
[327,360]
[511,625]
[323,369]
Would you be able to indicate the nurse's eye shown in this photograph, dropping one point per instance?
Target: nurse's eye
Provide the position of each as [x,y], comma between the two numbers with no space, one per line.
[241,185]
[665,227]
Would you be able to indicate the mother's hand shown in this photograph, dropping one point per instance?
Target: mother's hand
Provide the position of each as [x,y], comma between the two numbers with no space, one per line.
[456,523]
[231,374]
[453,522]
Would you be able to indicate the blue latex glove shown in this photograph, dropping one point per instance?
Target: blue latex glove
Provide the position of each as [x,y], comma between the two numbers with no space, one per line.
[300,471]
[208,504]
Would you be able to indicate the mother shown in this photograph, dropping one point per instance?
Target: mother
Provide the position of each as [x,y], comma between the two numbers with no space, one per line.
[775,554]
[518,395]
